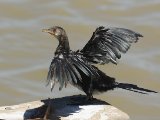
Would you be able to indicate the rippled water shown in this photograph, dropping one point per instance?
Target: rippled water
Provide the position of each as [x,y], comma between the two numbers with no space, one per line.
[26,52]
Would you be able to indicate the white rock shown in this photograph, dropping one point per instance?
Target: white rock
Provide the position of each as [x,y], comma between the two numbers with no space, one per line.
[61,110]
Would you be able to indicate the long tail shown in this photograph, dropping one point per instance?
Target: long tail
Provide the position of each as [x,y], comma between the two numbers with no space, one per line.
[105,83]
[134,88]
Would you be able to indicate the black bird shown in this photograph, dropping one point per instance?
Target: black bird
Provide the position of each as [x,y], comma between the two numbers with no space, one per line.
[76,67]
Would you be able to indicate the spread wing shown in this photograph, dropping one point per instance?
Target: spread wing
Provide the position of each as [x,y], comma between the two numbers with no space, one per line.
[107,44]
[68,68]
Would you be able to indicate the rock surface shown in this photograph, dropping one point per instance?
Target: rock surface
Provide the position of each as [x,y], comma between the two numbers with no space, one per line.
[63,109]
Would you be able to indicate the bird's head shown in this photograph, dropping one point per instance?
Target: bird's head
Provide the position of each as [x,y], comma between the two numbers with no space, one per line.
[56,31]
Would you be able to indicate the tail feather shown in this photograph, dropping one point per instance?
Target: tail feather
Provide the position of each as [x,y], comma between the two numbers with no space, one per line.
[134,88]
[105,83]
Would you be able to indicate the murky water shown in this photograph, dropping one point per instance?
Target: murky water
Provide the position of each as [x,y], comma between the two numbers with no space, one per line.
[26,52]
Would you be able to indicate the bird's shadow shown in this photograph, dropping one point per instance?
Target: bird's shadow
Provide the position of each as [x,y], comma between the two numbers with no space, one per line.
[63,107]
[60,107]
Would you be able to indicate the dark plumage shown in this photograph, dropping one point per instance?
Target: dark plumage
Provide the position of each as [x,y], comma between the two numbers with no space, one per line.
[76,68]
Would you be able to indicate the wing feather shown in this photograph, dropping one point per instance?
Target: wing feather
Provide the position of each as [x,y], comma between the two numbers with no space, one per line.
[68,69]
[107,44]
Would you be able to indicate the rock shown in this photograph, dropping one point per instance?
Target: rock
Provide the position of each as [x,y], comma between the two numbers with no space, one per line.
[64,109]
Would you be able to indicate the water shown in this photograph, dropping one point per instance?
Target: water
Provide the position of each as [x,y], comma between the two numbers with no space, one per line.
[26,52]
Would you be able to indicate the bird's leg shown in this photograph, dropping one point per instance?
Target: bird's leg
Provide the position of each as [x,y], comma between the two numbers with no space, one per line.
[90,90]
[89,97]
[87,100]
[80,100]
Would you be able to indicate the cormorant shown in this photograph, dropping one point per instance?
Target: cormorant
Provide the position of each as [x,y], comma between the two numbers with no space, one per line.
[77,67]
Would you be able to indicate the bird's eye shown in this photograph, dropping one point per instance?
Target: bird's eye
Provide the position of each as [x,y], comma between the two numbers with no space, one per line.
[57,32]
